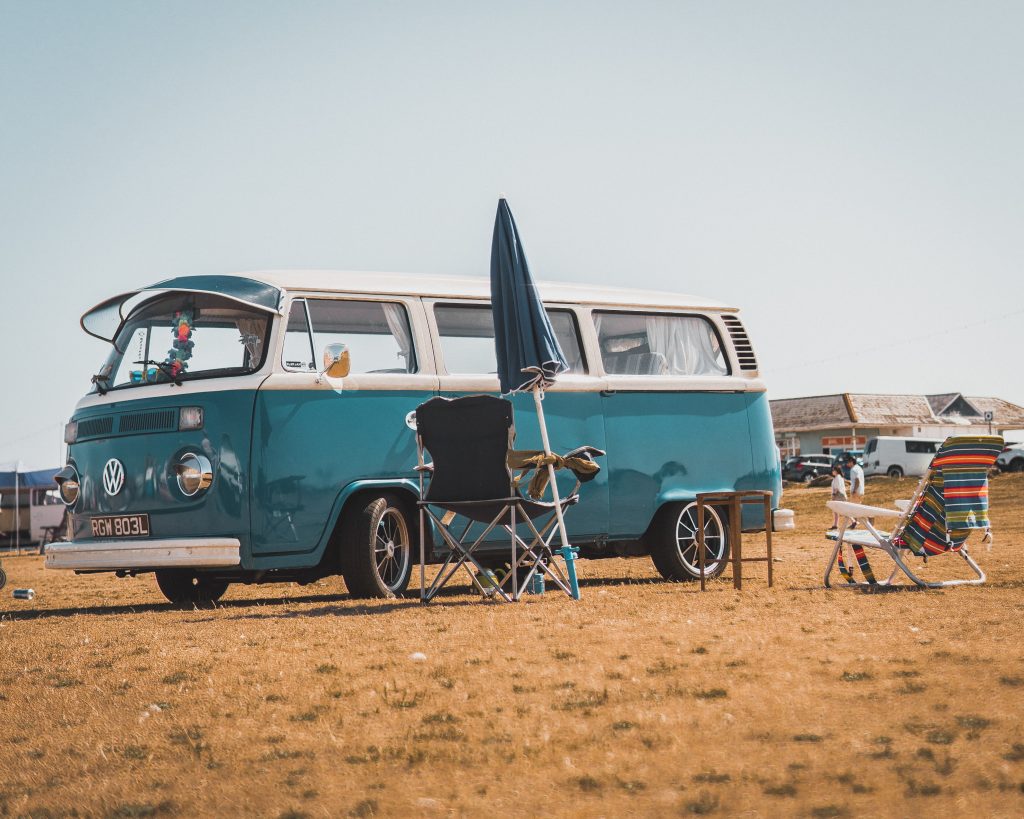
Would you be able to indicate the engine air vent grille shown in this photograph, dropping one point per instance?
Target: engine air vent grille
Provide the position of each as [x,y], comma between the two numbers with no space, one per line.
[95,427]
[153,421]
[744,350]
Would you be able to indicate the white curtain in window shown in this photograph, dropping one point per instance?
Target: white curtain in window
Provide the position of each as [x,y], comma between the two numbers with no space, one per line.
[394,314]
[686,344]
[251,331]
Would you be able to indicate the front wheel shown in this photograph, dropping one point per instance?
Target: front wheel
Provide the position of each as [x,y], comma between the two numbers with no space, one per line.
[376,542]
[3,578]
[181,586]
[675,548]
[895,472]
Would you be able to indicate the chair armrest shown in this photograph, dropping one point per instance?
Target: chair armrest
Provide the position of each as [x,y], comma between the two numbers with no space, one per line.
[424,467]
[903,505]
[858,510]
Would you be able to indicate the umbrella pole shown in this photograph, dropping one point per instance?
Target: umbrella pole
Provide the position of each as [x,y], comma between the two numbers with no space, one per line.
[567,552]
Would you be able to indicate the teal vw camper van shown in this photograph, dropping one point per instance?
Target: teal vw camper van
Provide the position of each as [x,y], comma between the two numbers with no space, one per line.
[256,428]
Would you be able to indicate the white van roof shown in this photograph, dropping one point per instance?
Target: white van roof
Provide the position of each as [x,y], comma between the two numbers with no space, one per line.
[471,287]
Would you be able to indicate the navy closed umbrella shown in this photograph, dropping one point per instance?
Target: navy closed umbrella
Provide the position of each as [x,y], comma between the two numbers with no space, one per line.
[529,357]
[528,352]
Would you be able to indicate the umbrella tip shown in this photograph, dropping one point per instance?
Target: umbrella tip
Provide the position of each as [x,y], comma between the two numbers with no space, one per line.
[502,196]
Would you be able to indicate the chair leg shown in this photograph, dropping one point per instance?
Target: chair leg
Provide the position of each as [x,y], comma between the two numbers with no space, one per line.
[835,554]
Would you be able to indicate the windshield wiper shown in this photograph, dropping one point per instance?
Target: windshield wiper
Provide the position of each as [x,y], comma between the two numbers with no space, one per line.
[99,380]
[165,368]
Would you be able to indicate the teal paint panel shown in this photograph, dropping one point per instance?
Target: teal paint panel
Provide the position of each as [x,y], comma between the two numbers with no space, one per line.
[673,445]
[150,480]
[766,470]
[308,445]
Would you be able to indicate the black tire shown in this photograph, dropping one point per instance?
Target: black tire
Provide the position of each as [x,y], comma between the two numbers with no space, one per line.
[674,546]
[894,472]
[1017,465]
[808,477]
[3,578]
[377,537]
[181,586]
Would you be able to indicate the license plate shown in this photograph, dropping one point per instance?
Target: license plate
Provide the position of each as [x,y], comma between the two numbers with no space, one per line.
[120,526]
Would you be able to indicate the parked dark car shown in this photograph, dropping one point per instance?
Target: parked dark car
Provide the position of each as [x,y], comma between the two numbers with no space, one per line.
[840,460]
[805,468]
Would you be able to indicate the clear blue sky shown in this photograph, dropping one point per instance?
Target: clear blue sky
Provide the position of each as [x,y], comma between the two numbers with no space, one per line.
[850,175]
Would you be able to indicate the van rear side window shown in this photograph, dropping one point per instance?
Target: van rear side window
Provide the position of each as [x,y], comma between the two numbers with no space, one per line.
[467,338]
[659,344]
[921,447]
[377,335]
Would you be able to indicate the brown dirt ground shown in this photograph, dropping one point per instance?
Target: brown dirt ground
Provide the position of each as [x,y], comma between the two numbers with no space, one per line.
[644,698]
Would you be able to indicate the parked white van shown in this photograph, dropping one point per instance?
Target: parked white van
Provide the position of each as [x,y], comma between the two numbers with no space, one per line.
[897,457]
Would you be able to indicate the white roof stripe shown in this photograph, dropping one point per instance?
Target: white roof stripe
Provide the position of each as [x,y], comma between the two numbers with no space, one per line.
[471,287]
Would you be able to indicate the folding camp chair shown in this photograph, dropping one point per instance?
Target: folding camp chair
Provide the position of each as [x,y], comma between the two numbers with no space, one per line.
[950,501]
[470,480]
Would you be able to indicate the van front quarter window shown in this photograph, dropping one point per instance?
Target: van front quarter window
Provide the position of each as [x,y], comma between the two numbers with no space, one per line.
[182,336]
[377,334]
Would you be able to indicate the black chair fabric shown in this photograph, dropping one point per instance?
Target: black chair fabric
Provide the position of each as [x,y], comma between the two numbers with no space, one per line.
[468,439]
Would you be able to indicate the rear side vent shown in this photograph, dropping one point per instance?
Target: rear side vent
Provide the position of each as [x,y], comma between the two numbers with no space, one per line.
[154,421]
[95,427]
[744,351]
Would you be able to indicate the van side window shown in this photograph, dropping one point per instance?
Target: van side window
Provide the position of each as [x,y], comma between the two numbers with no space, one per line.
[298,344]
[377,334]
[659,344]
[467,338]
[921,447]
[871,446]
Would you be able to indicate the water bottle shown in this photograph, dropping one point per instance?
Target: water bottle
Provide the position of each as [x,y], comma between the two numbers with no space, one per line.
[536,583]
[24,594]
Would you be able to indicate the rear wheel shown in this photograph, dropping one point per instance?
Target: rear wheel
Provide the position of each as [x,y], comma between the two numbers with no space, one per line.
[808,477]
[376,542]
[3,578]
[675,548]
[895,472]
[1017,465]
[182,586]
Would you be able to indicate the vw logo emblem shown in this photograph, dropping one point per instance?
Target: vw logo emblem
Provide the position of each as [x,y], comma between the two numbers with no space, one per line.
[113,476]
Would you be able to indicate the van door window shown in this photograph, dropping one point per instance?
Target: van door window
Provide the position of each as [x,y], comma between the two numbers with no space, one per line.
[871,446]
[377,334]
[298,343]
[659,344]
[467,338]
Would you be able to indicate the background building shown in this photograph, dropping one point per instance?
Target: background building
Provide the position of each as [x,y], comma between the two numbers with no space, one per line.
[827,423]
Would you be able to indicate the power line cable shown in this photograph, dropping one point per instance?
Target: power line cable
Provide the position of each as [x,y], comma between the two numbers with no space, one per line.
[893,345]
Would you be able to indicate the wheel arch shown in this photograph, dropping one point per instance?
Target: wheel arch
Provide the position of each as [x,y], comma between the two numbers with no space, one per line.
[350,496]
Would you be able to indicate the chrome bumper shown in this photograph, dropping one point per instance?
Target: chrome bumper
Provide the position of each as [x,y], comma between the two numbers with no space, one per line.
[185,553]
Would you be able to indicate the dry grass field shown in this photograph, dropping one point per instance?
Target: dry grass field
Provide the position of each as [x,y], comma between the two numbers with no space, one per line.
[645,698]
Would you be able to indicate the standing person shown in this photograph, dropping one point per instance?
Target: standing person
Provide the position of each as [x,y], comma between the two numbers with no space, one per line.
[856,482]
[838,491]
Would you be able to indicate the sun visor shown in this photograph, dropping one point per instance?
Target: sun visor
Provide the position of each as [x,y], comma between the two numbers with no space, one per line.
[105,319]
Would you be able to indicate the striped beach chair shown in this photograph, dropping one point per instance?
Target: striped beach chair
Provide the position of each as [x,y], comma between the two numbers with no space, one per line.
[950,502]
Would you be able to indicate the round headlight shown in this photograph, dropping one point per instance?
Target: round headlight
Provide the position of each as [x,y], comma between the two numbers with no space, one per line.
[68,484]
[195,474]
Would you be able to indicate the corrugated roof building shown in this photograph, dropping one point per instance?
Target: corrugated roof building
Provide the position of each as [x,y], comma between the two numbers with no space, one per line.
[831,423]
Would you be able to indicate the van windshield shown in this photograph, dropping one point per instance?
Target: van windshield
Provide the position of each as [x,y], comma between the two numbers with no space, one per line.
[183,336]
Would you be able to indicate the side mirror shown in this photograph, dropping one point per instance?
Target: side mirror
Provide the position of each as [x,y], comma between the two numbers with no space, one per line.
[336,361]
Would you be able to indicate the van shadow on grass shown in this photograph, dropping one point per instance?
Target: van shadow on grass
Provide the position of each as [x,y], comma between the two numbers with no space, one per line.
[146,608]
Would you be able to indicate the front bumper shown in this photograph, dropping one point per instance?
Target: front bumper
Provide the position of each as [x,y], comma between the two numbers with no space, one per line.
[110,555]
